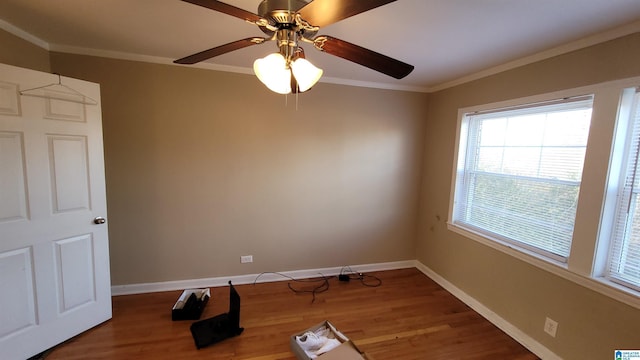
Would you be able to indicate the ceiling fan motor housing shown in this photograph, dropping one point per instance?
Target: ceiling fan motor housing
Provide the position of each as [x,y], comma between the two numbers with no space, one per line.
[282,15]
[267,7]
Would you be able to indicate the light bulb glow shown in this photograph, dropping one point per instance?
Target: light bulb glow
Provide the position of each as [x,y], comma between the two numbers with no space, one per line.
[272,71]
[306,73]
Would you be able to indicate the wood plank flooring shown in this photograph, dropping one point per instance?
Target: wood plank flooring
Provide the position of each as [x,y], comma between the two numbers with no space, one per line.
[407,317]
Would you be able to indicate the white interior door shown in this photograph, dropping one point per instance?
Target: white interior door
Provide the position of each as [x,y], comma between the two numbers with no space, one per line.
[54,258]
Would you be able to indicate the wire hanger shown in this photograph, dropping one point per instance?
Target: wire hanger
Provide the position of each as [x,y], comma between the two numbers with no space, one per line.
[49,92]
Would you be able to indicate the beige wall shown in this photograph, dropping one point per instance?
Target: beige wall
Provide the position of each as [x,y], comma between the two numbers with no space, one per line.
[591,325]
[17,52]
[204,166]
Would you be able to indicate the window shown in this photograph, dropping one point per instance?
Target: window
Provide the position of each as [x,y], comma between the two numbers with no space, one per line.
[624,253]
[521,166]
[519,172]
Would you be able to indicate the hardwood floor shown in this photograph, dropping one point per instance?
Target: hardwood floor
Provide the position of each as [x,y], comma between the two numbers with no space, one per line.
[408,317]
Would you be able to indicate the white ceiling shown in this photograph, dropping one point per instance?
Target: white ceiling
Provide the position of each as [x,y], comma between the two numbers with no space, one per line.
[448,41]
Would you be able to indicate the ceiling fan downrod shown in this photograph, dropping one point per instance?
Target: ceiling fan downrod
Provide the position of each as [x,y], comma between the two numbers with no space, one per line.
[287,43]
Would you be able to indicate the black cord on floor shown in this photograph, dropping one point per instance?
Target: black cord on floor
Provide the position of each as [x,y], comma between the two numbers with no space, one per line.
[365,279]
[322,287]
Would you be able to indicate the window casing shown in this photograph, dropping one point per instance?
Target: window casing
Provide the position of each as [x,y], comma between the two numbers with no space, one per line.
[519,172]
[623,265]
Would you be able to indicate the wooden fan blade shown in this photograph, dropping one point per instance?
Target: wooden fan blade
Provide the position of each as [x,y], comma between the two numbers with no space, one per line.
[227,9]
[222,49]
[365,57]
[326,12]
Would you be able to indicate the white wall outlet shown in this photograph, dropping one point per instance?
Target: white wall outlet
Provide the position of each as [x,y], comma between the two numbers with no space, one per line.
[551,327]
[246,259]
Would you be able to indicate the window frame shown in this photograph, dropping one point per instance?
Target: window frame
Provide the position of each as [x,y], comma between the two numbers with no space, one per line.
[587,261]
[624,141]
[466,165]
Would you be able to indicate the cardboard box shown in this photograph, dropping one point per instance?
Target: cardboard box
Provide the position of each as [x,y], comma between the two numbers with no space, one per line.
[347,350]
[190,304]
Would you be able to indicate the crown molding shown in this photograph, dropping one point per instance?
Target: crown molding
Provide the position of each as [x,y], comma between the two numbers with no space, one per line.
[218,67]
[608,35]
[12,29]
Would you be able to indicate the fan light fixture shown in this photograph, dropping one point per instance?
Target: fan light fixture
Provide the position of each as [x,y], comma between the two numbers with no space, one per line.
[285,76]
[289,22]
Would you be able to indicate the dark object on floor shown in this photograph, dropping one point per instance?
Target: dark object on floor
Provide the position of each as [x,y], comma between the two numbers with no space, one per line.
[190,305]
[213,330]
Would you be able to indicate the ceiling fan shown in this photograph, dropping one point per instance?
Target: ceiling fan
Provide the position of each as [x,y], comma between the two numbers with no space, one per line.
[290,22]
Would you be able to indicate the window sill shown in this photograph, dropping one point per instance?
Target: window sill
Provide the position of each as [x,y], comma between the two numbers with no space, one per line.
[598,284]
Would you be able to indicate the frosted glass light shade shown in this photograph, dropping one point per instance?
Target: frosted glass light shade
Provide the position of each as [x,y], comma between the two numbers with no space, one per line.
[306,73]
[272,71]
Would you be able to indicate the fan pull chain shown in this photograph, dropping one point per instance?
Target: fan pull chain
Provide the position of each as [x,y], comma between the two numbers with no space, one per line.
[286,100]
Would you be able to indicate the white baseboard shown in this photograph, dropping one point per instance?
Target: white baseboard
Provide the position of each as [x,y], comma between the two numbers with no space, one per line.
[517,334]
[251,278]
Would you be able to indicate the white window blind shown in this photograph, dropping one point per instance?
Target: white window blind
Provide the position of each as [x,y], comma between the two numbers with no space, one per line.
[624,253]
[519,174]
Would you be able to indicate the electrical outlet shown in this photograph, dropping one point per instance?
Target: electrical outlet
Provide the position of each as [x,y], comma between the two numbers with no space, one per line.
[551,327]
[246,259]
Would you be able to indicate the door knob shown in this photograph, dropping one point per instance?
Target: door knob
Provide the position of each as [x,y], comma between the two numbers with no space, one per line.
[99,220]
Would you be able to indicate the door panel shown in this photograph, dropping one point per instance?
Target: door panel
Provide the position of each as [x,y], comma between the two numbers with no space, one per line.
[54,260]
[13,196]
[18,304]
[76,275]
[9,100]
[69,173]
[56,109]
